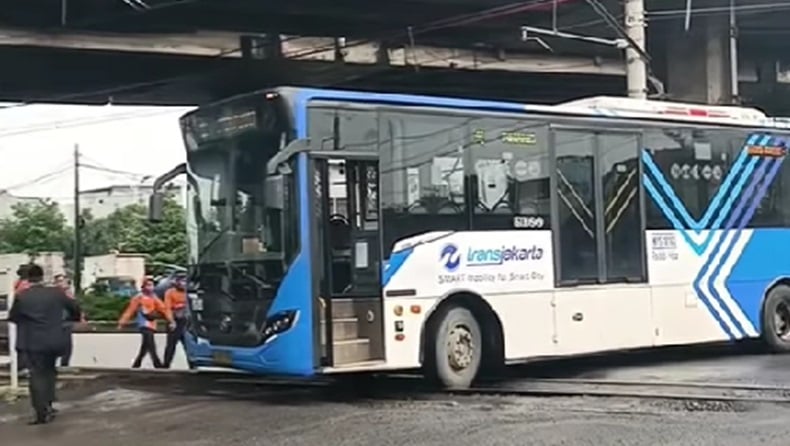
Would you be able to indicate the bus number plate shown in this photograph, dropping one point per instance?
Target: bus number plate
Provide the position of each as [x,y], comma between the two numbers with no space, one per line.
[221,357]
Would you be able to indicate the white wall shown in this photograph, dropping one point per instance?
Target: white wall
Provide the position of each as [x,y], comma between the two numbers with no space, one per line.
[118,350]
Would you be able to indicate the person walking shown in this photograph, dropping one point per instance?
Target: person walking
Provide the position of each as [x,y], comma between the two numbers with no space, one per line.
[145,307]
[38,314]
[176,305]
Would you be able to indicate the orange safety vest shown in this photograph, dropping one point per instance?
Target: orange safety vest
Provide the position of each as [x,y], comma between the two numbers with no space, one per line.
[145,310]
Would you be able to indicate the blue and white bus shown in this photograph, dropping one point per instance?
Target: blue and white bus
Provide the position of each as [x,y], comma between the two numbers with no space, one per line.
[336,231]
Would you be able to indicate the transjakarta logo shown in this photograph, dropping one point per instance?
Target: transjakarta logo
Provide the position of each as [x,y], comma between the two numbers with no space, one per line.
[450,256]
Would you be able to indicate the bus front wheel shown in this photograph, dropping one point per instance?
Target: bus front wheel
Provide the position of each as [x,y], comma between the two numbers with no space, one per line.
[454,348]
[776,319]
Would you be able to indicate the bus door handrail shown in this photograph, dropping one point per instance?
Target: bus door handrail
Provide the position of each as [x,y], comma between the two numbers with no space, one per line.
[305,146]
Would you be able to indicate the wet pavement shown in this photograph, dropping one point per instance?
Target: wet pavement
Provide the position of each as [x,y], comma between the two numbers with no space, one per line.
[181,410]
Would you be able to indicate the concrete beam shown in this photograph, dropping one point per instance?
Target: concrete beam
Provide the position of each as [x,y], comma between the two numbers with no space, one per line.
[227,45]
[363,52]
[209,44]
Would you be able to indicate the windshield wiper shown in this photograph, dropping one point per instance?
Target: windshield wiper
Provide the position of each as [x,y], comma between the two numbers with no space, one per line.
[258,281]
[210,243]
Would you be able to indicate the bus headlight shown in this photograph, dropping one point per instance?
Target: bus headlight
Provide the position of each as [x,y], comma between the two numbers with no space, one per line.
[278,323]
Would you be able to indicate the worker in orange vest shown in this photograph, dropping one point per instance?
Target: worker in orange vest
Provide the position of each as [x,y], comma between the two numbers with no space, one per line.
[145,308]
[176,304]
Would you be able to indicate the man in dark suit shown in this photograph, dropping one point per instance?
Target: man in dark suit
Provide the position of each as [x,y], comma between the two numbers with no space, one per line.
[38,314]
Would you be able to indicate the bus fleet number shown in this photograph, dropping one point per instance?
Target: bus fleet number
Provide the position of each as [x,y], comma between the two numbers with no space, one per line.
[526,222]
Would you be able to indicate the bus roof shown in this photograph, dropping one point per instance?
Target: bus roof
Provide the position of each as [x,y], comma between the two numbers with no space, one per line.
[600,106]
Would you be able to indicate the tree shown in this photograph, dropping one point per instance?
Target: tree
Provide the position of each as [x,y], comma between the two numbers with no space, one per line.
[128,230]
[34,228]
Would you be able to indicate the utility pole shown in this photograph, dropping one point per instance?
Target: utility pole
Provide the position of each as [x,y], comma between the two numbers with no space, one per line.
[635,66]
[77,224]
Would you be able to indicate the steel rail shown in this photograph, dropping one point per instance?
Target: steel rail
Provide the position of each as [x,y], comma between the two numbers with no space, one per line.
[413,385]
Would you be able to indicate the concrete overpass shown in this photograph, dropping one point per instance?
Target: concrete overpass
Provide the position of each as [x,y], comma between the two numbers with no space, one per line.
[191,51]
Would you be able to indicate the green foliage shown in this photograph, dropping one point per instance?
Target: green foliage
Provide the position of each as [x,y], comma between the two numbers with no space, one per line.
[41,227]
[102,306]
[127,230]
[34,228]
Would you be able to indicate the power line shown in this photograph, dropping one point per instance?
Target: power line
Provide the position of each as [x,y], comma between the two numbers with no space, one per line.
[711,10]
[458,20]
[114,171]
[112,17]
[666,14]
[49,176]
[79,122]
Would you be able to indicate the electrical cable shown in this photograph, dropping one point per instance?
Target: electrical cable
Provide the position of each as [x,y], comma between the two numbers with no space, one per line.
[666,14]
[712,10]
[131,12]
[79,122]
[115,171]
[40,179]
[459,20]
[438,24]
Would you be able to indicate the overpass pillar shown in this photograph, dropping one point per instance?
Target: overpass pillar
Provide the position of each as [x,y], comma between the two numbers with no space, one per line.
[699,61]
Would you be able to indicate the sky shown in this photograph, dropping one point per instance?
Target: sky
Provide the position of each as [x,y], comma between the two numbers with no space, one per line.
[37,144]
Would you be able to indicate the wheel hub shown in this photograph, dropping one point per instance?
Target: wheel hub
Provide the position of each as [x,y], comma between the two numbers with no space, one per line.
[782,320]
[460,347]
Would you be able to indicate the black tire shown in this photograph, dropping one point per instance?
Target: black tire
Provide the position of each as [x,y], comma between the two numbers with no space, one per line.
[777,336]
[452,324]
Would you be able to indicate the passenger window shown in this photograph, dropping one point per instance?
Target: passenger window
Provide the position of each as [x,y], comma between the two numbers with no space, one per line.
[599,218]
[577,231]
[344,129]
[686,171]
[622,218]
[509,174]
[422,174]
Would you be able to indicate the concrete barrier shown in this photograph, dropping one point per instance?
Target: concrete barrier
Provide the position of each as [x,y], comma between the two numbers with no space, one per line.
[118,350]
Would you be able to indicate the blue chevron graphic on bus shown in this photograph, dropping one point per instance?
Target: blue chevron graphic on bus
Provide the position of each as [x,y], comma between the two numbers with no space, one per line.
[744,187]
[722,202]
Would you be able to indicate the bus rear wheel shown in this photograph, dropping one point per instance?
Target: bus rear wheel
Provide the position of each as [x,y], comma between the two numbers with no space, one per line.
[454,348]
[776,319]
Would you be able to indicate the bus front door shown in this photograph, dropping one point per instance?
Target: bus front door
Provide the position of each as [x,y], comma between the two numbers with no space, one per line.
[348,259]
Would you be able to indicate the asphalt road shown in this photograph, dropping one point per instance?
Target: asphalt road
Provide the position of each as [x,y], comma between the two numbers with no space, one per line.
[200,411]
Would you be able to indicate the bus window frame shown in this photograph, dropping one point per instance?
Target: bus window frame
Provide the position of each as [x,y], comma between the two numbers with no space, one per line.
[602,257]
[559,120]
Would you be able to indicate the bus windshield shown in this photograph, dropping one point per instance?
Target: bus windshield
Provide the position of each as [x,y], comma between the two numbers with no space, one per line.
[227,202]
[228,148]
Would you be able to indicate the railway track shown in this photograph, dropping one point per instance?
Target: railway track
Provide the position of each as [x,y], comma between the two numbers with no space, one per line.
[412,386]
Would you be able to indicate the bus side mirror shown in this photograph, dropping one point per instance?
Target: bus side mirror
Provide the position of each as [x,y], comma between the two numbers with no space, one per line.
[274,188]
[156,205]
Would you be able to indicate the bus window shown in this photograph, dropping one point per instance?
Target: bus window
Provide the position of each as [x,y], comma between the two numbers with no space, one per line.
[622,216]
[692,164]
[509,174]
[574,153]
[344,129]
[422,175]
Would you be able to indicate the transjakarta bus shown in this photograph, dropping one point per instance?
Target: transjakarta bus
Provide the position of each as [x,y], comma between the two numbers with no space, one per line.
[337,231]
